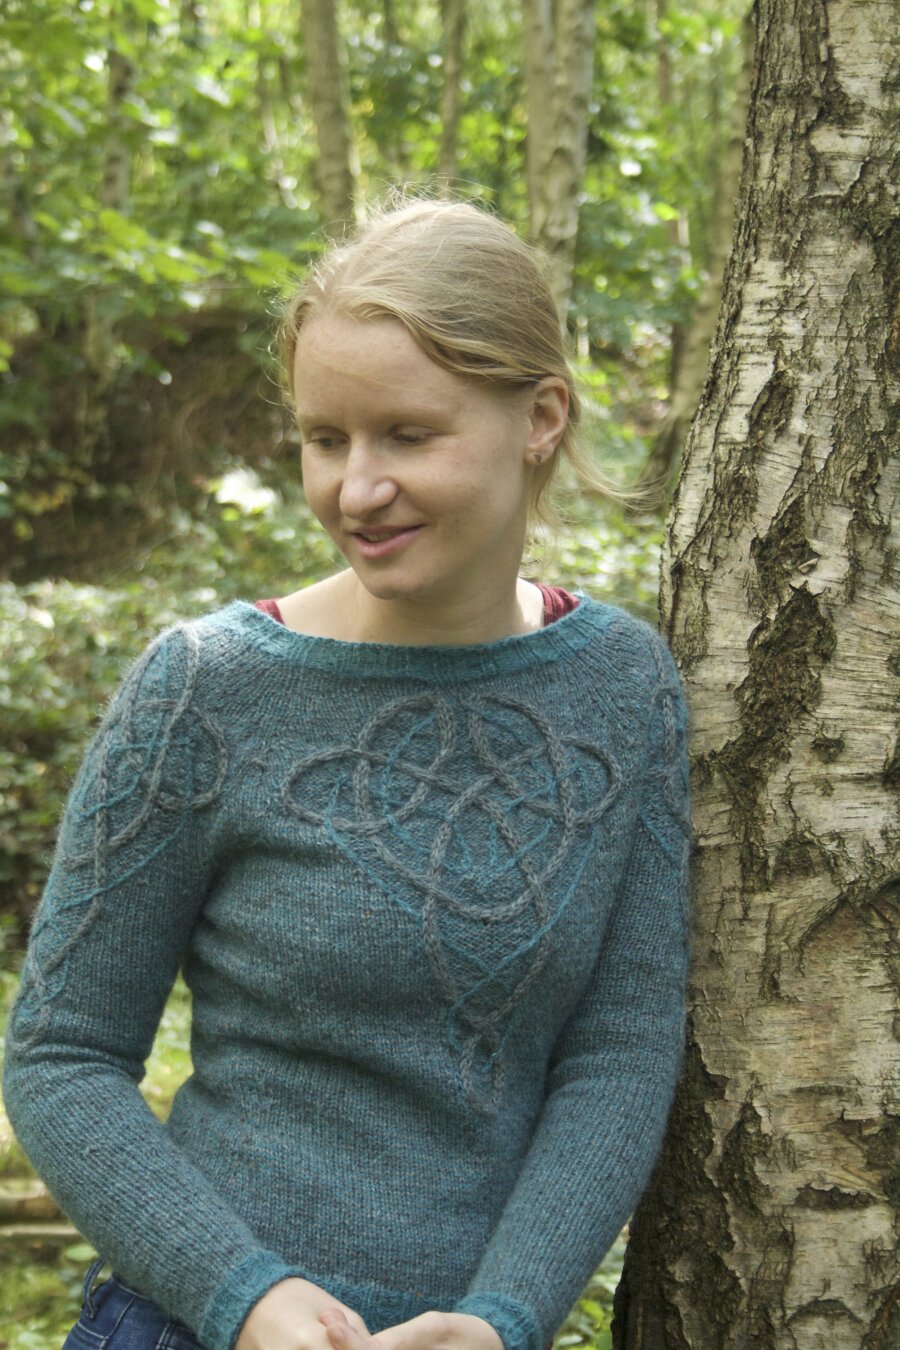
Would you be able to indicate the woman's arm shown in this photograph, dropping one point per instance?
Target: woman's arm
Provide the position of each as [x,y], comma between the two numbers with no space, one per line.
[614,1070]
[611,1081]
[134,861]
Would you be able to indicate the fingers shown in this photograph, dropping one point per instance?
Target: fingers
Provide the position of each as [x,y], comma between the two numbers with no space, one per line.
[342,1334]
[429,1331]
[437,1331]
[298,1315]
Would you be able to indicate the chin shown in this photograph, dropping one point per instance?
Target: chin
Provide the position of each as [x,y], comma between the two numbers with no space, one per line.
[386,589]
[386,592]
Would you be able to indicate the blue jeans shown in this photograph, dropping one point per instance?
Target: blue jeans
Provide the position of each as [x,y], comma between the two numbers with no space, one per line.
[114,1317]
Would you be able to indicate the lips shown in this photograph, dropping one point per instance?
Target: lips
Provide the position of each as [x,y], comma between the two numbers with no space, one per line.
[380,543]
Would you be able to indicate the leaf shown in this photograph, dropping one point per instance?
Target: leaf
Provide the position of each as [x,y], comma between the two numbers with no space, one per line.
[209,88]
[122,230]
[79,1251]
[663,211]
[57,38]
[59,113]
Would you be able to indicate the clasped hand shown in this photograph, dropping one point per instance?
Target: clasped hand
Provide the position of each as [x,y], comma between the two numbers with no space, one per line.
[298,1315]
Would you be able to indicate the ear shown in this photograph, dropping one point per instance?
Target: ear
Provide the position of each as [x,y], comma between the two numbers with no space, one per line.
[548,415]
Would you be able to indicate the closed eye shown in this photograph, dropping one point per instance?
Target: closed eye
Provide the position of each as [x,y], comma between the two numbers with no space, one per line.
[324,441]
[405,436]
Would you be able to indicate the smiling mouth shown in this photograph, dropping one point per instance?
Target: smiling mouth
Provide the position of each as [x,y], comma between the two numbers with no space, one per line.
[378,543]
[378,536]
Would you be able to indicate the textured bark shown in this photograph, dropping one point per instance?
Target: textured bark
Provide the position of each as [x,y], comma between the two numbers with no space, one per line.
[559,67]
[774,1215]
[336,170]
[453,18]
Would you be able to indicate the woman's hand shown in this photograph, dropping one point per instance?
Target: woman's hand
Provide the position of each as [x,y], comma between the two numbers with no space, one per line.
[287,1318]
[431,1331]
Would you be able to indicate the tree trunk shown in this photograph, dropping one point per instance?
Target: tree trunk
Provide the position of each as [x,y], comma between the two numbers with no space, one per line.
[389,24]
[99,329]
[773,1217]
[693,342]
[267,122]
[453,16]
[326,79]
[559,67]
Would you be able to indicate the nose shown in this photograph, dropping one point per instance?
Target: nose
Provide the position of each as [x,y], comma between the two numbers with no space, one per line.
[367,485]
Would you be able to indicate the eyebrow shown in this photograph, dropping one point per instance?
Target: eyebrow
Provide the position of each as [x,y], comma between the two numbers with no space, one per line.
[416,415]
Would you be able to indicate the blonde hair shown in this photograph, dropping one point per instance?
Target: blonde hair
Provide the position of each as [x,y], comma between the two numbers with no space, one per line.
[472,295]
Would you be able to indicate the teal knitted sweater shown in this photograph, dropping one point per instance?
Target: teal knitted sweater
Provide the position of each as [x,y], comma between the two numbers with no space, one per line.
[431,906]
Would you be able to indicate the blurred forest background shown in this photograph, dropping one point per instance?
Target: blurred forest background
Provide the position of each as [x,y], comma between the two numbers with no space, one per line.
[169,170]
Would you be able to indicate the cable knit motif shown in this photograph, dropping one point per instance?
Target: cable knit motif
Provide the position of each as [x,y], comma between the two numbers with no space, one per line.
[431,904]
[162,758]
[465,811]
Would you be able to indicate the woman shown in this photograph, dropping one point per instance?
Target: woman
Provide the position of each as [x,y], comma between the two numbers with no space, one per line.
[417,835]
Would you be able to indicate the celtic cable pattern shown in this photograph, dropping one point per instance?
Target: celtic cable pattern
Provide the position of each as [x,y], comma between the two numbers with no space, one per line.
[463,812]
[158,758]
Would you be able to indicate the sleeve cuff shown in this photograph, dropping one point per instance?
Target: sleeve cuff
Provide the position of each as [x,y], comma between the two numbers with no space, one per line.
[229,1306]
[512,1321]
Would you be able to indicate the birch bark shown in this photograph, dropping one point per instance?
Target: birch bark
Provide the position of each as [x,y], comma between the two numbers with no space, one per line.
[774,1216]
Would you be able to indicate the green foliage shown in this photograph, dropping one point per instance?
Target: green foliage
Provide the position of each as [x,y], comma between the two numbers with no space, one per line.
[42,1293]
[90,272]
[170,1061]
[650,166]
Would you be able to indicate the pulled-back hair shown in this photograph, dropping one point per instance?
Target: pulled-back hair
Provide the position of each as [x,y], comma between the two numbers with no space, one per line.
[471,294]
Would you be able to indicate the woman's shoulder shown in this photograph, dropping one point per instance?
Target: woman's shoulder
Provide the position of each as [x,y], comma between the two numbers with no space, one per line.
[630,649]
[638,634]
[176,658]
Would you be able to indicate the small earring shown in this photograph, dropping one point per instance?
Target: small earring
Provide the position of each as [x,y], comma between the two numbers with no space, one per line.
[538,459]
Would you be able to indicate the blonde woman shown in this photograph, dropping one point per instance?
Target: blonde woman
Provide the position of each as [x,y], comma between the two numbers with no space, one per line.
[417,836]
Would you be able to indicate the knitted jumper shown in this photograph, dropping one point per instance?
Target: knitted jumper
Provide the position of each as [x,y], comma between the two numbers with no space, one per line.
[431,906]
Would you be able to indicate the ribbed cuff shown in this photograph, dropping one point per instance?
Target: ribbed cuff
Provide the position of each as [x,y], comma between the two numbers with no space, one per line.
[231,1303]
[512,1321]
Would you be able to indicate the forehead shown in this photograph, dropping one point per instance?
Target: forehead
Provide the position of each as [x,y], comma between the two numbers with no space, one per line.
[375,358]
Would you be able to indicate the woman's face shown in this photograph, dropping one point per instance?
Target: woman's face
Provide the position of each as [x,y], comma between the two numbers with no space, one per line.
[420,476]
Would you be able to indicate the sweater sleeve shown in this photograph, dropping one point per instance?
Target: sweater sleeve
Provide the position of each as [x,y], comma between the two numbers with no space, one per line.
[133,863]
[614,1069]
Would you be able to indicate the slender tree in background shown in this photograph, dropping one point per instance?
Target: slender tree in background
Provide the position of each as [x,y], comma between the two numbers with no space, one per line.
[691,342]
[453,19]
[559,65]
[99,326]
[266,102]
[326,80]
[678,226]
[774,1214]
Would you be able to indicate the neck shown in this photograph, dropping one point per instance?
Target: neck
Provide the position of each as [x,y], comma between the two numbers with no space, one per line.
[462,621]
